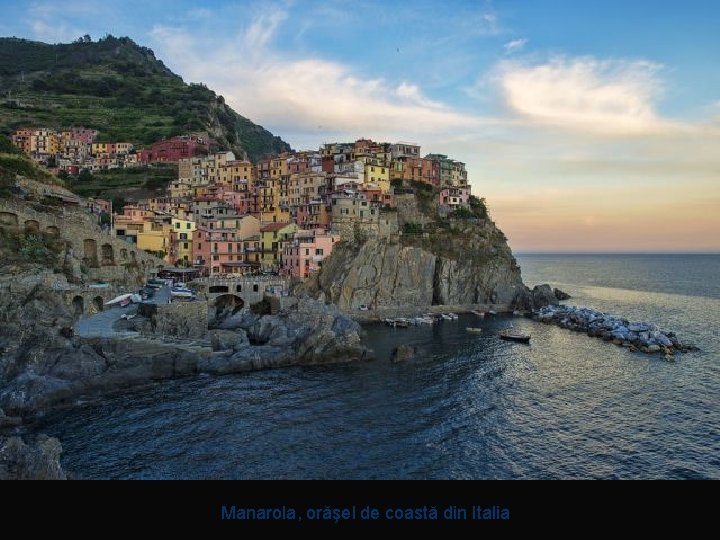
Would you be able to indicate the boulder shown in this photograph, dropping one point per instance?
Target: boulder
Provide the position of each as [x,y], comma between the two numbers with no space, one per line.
[39,460]
[402,353]
[560,295]
[222,340]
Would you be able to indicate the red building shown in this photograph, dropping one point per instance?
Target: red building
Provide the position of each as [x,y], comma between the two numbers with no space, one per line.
[175,149]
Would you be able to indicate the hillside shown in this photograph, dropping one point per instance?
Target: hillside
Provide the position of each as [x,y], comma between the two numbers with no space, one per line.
[120,88]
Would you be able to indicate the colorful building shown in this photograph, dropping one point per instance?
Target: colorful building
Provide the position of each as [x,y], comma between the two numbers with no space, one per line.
[304,254]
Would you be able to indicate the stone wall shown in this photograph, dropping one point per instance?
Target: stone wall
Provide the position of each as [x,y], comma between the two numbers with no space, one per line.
[102,256]
[182,319]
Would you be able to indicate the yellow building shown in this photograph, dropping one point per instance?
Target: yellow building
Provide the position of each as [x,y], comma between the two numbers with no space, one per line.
[181,247]
[156,238]
[272,236]
[378,175]
[44,142]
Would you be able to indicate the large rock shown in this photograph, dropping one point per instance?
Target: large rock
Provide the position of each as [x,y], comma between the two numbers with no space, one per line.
[402,353]
[386,273]
[37,461]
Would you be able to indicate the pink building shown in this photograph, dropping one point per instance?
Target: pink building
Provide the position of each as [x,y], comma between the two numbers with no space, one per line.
[227,245]
[454,196]
[305,253]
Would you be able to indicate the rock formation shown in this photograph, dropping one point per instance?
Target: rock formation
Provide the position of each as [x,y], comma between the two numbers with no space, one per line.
[455,262]
[37,461]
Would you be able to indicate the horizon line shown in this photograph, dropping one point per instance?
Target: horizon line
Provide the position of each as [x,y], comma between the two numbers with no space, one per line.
[613,252]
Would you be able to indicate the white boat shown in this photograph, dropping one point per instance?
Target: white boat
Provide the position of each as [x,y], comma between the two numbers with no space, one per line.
[182,293]
[119,299]
[454,316]
[445,316]
[474,329]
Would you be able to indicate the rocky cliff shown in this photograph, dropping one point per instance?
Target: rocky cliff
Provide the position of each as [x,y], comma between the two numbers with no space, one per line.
[449,261]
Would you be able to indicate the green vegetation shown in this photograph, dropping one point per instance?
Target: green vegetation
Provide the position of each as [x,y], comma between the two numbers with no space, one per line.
[478,207]
[412,228]
[119,88]
[29,247]
[118,183]
[7,147]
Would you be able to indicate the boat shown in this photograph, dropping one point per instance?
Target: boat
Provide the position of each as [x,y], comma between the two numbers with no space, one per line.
[181,292]
[480,314]
[445,316]
[474,329]
[508,335]
[453,316]
[517,313]
[491,313]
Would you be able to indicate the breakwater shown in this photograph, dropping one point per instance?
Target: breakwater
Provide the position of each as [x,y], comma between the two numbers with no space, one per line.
[639,336]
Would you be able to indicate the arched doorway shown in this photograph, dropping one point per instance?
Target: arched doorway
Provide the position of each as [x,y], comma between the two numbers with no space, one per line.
[78,305]
[107,255]
[227,305]
[90,256]
[98,303]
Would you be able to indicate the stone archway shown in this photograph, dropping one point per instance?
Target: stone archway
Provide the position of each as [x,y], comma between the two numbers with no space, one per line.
[107,255]
[78,305]
[218,289]
[8,219]
[98,303]
[90,256]
[227,305]
[32,225]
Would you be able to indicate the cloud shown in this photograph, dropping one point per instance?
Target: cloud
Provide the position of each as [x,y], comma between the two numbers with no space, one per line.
[299,94]
[515,45]
[604,96]
[47,19]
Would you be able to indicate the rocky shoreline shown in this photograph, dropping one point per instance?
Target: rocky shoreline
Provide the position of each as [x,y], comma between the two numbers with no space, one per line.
[640,336]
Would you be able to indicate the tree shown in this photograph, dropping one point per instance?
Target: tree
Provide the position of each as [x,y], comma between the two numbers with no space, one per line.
[85,176]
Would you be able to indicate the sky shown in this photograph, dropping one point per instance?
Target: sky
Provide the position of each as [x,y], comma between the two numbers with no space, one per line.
[588,126]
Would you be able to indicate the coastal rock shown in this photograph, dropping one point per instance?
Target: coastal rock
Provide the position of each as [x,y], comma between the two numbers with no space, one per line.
[402,353]
[543,295]
[222,340]
[385,273]
[39,460]
[635,335]
[560,295]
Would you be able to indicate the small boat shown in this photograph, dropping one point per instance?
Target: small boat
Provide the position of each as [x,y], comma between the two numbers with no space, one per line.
[445,316]
[474,329]
[517,313]
[508,335]
[492,313]
[453,316]
[478,313]
[182,292]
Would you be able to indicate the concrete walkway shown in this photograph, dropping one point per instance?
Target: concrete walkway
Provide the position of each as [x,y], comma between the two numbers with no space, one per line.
[101,324]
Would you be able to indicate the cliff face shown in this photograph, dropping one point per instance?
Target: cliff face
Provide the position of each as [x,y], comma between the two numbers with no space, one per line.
[464,261]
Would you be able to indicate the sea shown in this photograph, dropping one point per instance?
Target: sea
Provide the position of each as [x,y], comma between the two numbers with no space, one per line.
[468,406]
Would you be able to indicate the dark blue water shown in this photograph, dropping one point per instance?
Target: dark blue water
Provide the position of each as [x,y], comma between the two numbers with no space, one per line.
[470,406]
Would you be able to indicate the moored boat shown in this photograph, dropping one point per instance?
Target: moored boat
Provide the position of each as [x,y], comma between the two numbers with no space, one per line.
[508,335]
[474,329]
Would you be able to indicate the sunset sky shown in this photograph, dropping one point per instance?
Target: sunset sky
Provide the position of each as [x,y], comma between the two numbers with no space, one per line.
[588,126]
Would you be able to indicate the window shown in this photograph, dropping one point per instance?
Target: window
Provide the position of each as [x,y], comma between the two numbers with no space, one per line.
[216,257]
[307,252]
[177,225]
[186,245]
[318,251]
[216,246]
[255,288]
[187,225]
[183,236]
